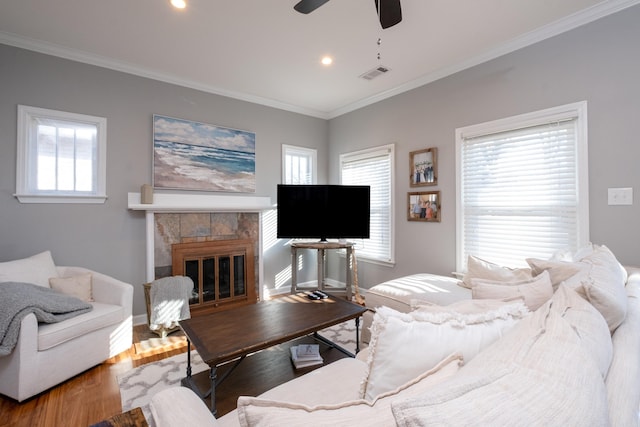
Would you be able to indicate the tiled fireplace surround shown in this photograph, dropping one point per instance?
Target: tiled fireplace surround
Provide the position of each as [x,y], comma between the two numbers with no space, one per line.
[171,228]
[183,218]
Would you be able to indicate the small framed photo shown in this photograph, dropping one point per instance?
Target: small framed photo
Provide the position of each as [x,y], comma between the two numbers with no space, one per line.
[424,206]
[423,166]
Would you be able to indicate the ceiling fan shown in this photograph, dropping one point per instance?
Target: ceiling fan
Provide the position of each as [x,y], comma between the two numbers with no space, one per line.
[389,11]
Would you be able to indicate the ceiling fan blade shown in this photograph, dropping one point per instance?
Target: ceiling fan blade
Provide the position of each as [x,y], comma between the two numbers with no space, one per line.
[389,12]
[308,6]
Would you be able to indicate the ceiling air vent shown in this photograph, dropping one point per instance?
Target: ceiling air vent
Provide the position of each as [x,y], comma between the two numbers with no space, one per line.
[372,74]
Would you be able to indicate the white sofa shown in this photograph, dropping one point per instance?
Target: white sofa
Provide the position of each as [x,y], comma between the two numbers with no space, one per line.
[48,354]
[562,364]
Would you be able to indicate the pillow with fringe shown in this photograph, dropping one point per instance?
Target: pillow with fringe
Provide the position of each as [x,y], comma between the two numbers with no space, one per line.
[403,345]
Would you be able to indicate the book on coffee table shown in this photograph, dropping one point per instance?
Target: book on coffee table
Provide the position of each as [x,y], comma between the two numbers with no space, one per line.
[306,355]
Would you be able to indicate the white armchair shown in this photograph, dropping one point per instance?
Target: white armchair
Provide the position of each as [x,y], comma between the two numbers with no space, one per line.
[48,354]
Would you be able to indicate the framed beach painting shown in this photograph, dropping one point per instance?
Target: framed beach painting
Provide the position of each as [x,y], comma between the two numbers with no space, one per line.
[191,155]
[424,206]
[423,166]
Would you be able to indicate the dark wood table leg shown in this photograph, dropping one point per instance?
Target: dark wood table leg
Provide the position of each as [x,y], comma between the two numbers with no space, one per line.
[213,376]
[357,335]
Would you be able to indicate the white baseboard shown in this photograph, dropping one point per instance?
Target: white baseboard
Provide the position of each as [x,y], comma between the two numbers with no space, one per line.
[140,319]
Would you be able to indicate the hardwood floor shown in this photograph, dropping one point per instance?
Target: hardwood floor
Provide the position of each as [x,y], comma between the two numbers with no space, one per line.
[91,396]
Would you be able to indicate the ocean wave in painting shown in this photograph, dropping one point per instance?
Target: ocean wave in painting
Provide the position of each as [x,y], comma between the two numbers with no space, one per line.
[185,166]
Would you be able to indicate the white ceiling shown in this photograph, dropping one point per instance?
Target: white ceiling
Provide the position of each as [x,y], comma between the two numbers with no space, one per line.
[265,52]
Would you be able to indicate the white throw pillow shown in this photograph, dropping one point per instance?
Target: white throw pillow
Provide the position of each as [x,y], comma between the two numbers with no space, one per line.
[403,345]
[480,269]
[79,286]
[559,271]
[605,285]
[573,256]
[261,412]
[534,292]
[600,278]
[484,307]
[36,269]
[538,374]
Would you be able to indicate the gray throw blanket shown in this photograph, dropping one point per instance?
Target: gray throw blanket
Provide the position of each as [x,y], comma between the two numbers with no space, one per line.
[19,299]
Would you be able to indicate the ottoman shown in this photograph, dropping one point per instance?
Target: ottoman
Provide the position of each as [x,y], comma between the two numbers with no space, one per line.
[398,294]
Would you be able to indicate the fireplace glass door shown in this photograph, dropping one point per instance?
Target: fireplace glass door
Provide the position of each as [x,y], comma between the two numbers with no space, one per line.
[216,278]
[220,275]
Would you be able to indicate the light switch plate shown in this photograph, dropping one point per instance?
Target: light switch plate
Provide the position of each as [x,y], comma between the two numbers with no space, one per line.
[620,196]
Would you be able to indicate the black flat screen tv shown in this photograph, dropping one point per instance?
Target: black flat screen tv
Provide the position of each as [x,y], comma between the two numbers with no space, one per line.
[323,211]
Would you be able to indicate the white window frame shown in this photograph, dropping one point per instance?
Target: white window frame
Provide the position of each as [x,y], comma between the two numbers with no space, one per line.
[302,152]
[577,111]
[385,150]
[26,158]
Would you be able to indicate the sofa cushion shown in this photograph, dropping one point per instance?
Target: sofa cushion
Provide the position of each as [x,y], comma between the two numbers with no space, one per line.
[587,323]
[622,379]
[172,406]
[312,388]
[405,344]
[534,292]
[36,269]
[430,288]
[261,412]
[78,286]
[480,269]
[102,315]
[538,374]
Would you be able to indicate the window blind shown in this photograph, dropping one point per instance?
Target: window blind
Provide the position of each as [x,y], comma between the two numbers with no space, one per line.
[373,168]
[519,193]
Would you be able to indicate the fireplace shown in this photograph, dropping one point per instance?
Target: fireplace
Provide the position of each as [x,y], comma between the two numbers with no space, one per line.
[174,218]
[222,272]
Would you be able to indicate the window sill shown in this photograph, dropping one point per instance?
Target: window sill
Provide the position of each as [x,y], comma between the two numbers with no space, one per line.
[40,198]
[368,260]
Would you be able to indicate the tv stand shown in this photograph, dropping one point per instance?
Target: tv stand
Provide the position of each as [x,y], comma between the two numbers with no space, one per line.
[321,247]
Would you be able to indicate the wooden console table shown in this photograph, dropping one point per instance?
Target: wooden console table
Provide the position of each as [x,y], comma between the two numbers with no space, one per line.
[321,247]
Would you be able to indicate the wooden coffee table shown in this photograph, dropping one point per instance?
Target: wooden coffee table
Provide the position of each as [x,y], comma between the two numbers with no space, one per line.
[233,334]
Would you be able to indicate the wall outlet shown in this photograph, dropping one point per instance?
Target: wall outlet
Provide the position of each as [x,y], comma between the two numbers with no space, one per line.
[621,196]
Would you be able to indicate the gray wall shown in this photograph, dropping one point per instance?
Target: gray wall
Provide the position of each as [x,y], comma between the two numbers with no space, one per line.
[109,238]
[599,63]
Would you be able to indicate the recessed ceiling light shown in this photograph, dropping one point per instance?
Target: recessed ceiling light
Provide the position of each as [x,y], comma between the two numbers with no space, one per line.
[327,60]
[179,4]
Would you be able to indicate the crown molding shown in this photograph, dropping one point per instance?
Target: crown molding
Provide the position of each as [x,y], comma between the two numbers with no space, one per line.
[112,64]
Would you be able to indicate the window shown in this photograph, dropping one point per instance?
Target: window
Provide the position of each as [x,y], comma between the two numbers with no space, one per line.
[374,167]
[298,165]
[522,189]
[61,157]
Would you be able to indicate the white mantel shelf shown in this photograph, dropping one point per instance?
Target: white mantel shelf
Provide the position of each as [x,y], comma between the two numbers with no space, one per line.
[164,202]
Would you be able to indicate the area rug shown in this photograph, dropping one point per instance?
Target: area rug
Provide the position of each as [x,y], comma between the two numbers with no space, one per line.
[139,384]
